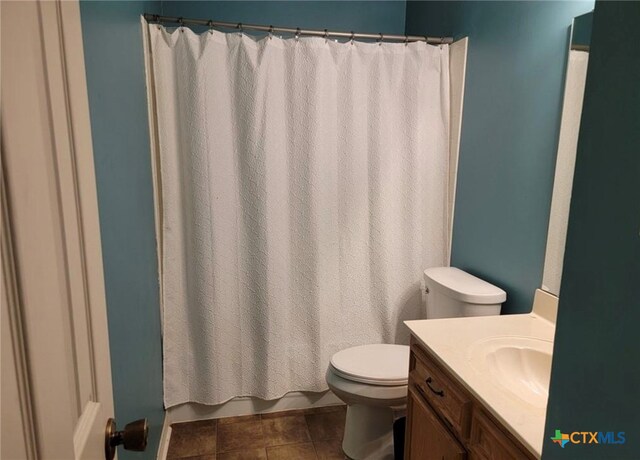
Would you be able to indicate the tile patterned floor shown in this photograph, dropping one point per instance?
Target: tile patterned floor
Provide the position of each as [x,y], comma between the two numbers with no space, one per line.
[310,434]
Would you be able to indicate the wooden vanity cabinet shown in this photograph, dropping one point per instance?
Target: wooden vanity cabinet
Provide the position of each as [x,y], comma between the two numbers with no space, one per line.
[445,422]
[427,438]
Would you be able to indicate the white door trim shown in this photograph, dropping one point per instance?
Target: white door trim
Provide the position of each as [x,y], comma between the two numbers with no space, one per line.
[52,211]
[16,391]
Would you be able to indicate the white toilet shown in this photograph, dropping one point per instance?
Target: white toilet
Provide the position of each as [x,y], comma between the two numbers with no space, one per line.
[372,379]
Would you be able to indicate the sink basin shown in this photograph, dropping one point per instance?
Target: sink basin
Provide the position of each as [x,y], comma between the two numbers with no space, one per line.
[521,365]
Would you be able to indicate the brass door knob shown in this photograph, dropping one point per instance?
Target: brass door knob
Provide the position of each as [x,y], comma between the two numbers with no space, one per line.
[133,437]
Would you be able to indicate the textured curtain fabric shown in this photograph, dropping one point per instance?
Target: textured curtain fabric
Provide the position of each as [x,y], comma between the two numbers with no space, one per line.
[303,191]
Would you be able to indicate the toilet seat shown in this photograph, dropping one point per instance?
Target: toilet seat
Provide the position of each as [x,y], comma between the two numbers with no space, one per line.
[374,364]
[372,381]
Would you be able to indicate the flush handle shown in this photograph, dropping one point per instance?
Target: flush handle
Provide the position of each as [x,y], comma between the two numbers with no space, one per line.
[133,437]
[438,392]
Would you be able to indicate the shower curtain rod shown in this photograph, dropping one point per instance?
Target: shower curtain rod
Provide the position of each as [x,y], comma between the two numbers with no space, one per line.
[296,31]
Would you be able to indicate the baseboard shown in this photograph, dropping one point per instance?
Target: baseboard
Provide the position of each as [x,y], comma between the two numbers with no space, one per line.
[248,406]
[165,437]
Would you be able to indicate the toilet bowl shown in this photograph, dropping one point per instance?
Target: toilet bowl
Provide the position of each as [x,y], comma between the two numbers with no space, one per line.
[372,379]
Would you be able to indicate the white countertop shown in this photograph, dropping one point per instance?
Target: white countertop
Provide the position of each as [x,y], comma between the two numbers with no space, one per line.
[451,341]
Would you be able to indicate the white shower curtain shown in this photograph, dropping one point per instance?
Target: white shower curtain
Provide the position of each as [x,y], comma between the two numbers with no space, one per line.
[303,192]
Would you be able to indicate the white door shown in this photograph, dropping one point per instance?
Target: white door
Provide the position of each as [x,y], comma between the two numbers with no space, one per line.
[56,375]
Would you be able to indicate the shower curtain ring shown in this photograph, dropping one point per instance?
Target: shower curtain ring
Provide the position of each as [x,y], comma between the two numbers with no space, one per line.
[326,35]
[239,27]
[353,35]
[210,23]
[181,22]
[380,39]
[297,33]
[406,40]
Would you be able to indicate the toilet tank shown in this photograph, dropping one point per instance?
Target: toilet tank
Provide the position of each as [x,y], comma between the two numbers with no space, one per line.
[451,292]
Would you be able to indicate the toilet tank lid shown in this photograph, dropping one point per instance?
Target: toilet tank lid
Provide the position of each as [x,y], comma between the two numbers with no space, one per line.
[462,286]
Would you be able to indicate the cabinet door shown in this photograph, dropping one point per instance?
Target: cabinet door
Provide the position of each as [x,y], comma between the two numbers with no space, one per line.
[489,442]
[427,437]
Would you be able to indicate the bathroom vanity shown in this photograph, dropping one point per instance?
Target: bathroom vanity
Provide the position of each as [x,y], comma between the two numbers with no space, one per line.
[478,386]
[446,421]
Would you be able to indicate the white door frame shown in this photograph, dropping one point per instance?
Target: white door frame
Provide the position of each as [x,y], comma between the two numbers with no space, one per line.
[56,371]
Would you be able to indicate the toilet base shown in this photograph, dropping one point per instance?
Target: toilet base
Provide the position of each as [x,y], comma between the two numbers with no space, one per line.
[368,433]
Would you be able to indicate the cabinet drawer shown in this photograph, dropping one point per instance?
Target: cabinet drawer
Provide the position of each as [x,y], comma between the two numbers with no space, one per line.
[441,392]
[488,442]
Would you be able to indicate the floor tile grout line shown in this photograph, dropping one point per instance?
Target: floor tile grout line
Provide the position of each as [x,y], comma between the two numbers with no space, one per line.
[306,424]
[313,444]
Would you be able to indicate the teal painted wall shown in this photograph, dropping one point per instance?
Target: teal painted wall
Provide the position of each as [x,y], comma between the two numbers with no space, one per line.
[512,104]
[596,362]
[360,16]
[117,101]
[582,29]
[117,98]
